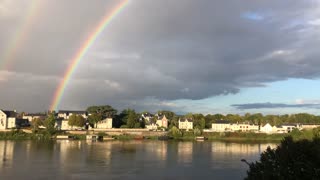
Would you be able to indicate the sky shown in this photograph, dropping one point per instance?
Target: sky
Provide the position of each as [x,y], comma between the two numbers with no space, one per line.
[204,56]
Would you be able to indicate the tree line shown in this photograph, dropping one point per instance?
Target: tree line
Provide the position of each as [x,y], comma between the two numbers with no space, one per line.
[129,118]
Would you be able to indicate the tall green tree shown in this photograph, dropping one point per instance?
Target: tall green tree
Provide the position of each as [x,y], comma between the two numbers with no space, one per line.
[132,119]
[94,118]
[36,123]
[49,123]
[106,111]
[76,120]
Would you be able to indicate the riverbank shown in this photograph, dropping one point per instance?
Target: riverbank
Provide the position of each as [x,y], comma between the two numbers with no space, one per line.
[185,136]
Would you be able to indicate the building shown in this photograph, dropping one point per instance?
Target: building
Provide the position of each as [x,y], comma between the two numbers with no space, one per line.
[221,126]
[185,123]
[244,127]
[146,117]
[151,124]
[32,116]
[66,114]
[162,121]
[7,119]
[309,126]
[104,124]
[289,127]
[267,128]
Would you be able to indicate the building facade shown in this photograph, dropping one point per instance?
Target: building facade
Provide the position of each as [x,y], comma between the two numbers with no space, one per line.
[66,114]
[7,119]
[105,124]
[185,123]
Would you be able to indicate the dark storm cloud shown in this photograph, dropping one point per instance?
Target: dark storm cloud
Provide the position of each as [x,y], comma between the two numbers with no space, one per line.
[273,105]
[165,50]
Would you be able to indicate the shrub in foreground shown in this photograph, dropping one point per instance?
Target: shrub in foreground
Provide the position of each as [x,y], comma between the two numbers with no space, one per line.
[290,160]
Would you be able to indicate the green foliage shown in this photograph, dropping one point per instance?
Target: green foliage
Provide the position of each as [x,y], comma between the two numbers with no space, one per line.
[94,118]
[131,119]
[175,132]
[123,126]
[197,132]
[36,123]
[137,125]
[168,114]
[76,120]
[105,111]
[290,160]
[49,123]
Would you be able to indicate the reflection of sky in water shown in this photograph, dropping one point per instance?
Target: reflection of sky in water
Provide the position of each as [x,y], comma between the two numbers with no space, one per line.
[126,159]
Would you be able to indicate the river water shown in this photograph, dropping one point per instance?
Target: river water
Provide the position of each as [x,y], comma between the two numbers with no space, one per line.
[126,159]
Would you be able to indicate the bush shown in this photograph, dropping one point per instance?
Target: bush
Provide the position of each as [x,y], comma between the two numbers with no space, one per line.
[123,126]
[290,160]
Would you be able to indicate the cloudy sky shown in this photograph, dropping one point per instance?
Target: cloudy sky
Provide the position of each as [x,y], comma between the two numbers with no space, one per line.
[205,56]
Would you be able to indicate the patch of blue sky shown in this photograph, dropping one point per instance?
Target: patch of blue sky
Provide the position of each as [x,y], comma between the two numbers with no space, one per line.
[288,92]
[252,16]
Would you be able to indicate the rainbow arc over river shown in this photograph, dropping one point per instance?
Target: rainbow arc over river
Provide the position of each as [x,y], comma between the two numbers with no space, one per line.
[107,19]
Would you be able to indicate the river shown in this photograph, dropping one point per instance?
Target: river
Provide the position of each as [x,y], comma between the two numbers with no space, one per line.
[141,160]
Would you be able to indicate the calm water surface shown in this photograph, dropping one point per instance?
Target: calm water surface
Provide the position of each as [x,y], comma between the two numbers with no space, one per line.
[126,159]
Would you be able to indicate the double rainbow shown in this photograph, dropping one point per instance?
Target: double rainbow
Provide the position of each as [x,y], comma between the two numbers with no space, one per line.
[82,51]
[20,35]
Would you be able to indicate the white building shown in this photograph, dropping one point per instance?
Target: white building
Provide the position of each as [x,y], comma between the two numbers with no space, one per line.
[244,127]
[185,123]
[104,124]
[66,114]
[221,126]
[31,116]
[267,128]
[7,119]
[162,121]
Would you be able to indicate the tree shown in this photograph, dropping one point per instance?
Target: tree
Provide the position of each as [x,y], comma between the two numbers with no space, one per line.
[290,160]
[36,123]
[175,132]
[76,120]
[168,114]
[106,111]
[199,121]
[131,120]
[49,123]
[94,118]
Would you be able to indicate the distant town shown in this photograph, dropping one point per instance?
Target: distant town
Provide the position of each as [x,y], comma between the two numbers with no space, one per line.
[106,118]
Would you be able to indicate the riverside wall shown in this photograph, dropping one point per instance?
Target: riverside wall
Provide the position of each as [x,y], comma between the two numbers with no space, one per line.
[117,132]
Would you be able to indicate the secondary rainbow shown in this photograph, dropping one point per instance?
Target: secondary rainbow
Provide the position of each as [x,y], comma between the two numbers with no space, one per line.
[20,35]
[82,51]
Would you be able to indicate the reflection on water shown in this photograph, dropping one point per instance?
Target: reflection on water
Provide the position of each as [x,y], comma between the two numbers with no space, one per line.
[185,152]
[126,159]
[6,154]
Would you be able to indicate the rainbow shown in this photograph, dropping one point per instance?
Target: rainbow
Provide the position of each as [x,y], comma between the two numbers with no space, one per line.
[19,36]
[82,51]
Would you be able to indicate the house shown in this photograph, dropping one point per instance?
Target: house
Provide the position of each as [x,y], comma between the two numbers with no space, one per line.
[288,127]
[244,127]
[104,124]
[32,116]
[267,128]
[162,121]
[63,114]
[221,126]
[152,124]
[185,123]
[146,117]
[309,126]
[7,119]
[63,124]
